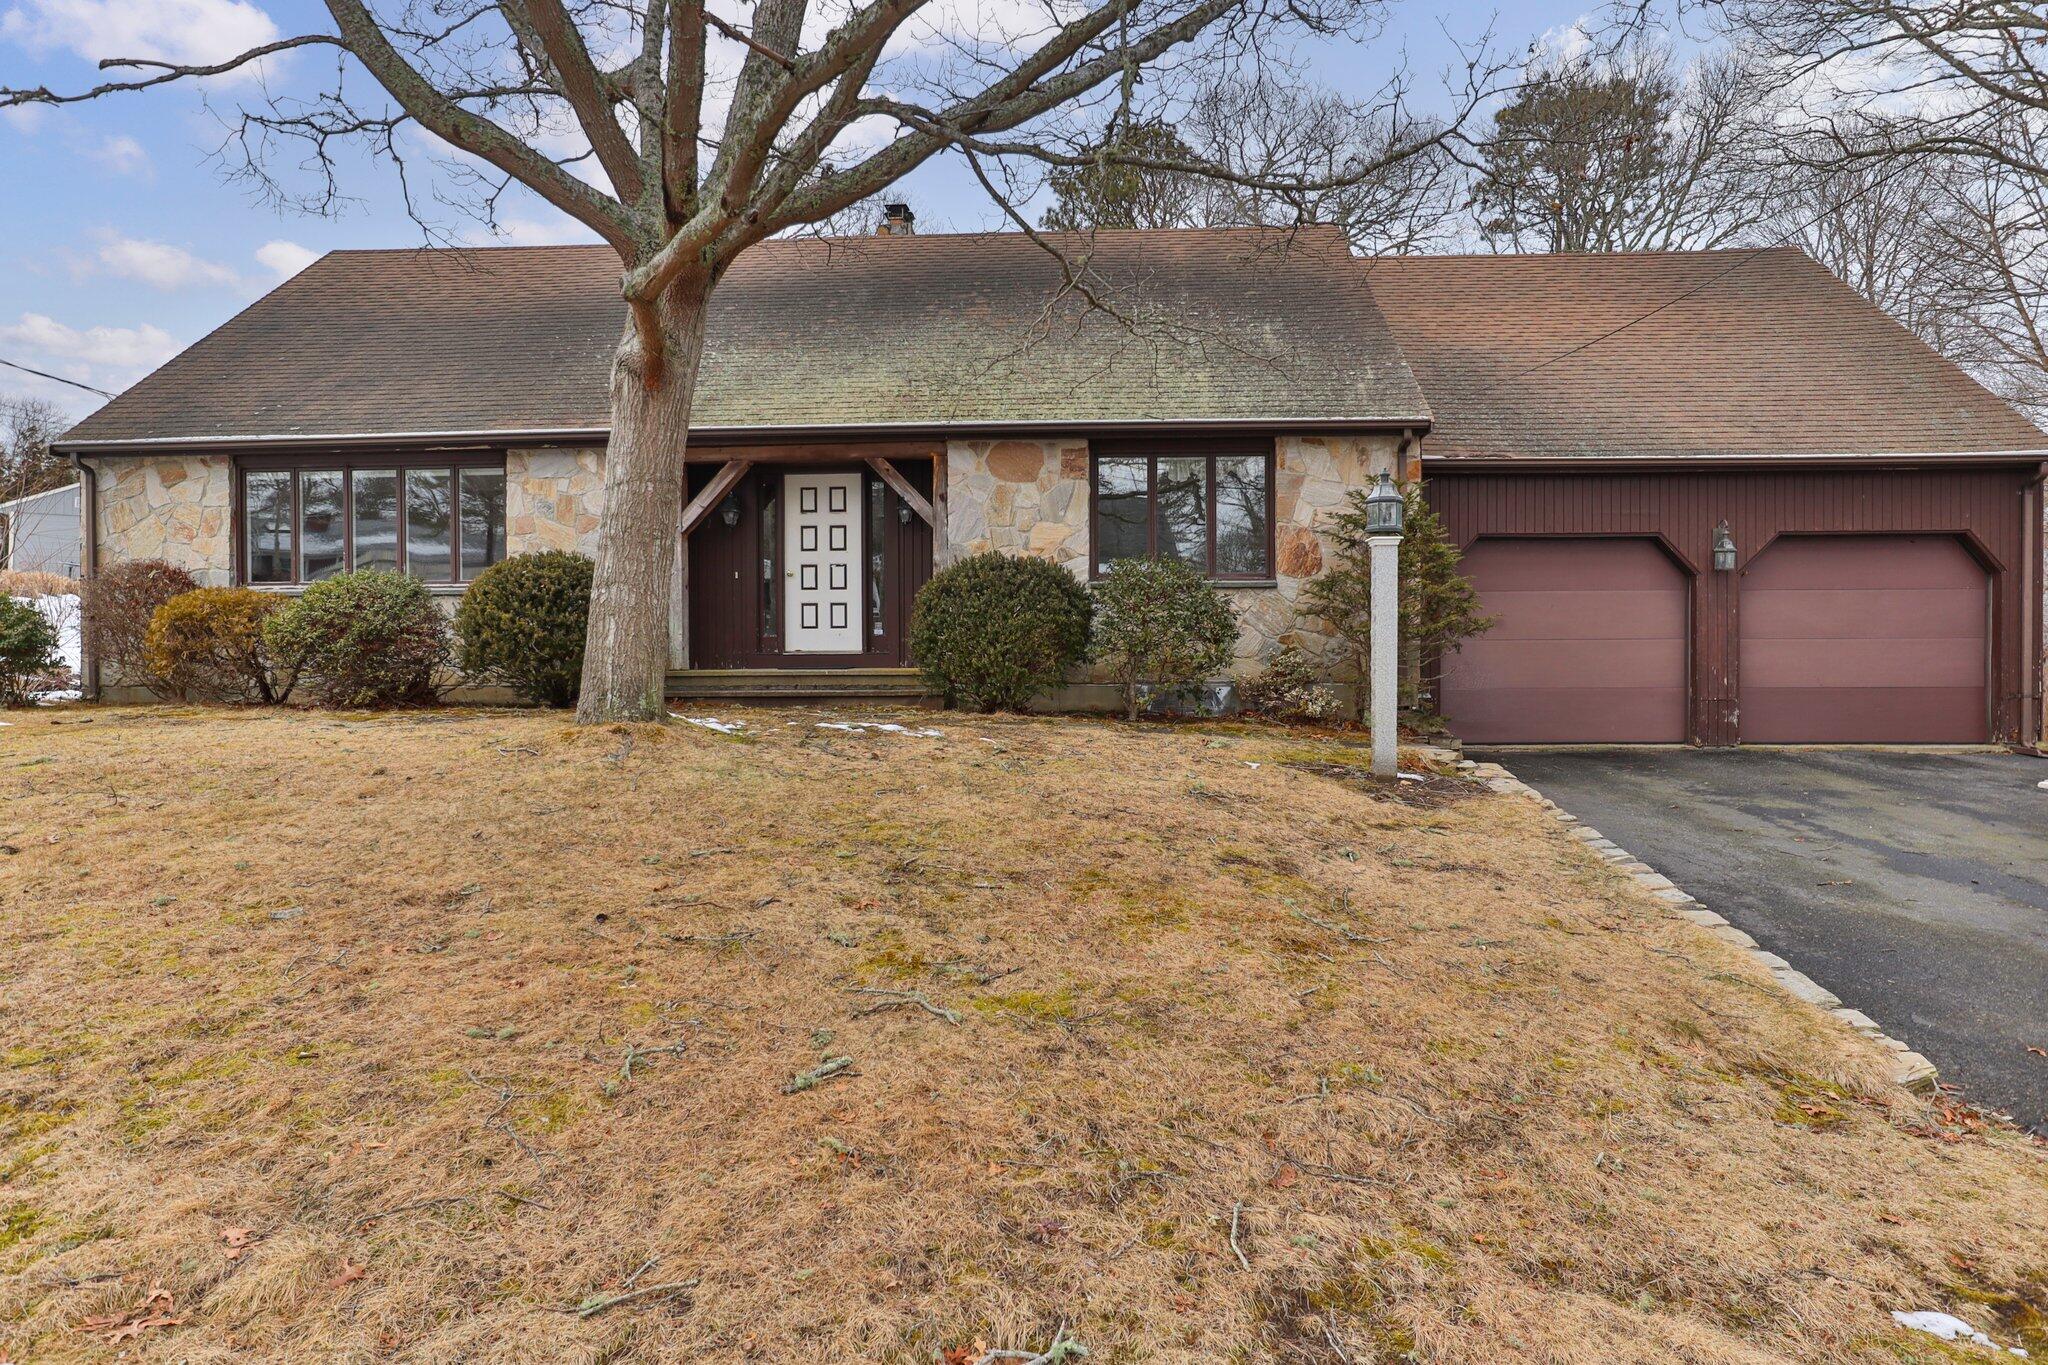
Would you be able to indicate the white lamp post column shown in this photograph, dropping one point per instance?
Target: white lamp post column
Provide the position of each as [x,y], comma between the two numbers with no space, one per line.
[1385,510]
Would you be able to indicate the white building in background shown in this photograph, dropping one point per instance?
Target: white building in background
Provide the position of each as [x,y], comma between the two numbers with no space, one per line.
[41,532]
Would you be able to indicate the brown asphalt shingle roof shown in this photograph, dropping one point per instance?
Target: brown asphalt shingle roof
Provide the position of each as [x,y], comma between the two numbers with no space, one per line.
[1736,353]
[930,330]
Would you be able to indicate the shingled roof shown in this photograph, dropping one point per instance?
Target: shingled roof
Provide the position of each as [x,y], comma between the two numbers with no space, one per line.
[891,332]
[1675,354]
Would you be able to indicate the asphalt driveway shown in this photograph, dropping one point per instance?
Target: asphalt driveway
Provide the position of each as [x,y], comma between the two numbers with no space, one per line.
[1913,885]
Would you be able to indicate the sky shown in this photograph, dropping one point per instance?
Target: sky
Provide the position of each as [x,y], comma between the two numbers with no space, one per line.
[123,240]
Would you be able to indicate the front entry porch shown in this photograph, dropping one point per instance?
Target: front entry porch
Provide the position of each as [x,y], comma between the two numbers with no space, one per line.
[800,566]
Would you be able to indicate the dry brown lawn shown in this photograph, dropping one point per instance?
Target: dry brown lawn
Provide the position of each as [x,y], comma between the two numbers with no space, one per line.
[316,1035]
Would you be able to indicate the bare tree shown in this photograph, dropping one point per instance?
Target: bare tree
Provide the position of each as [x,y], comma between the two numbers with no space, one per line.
[1883,78]
[1294,151]
[682,137]
[27,427]
[1624,151]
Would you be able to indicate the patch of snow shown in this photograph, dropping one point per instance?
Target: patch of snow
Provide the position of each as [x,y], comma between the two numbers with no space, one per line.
[887,727]
[61,610]
[1949,1329]
[724,727]
[2043,785]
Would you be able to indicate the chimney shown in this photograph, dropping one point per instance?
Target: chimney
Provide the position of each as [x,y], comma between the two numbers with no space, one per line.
[897,221]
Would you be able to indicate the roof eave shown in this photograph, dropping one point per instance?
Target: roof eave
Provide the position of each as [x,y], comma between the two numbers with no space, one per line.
[731,434]
[1864,458]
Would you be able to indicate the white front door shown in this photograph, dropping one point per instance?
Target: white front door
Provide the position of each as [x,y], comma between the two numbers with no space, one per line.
[821,563]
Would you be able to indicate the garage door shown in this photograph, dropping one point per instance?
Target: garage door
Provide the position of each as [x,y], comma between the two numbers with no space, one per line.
[1589,646]
[1864,639]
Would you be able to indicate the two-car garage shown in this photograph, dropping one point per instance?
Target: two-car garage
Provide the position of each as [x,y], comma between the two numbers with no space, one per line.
[1600,424]
[1879,612]
[1840,639]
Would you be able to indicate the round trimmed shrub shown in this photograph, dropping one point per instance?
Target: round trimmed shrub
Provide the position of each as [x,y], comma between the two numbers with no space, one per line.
[1290,688]
[1160,625]
[366,639]
[523,623]
[208,645]
[995,630]
[119,602]
[28,650]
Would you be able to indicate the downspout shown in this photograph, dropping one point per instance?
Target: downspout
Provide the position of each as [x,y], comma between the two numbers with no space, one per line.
[2032,590]
[89,512]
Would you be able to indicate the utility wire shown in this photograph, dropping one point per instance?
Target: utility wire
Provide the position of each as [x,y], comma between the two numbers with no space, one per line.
[55,378]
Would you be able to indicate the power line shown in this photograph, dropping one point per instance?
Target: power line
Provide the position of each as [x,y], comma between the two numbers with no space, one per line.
[55,378]
[1718,276]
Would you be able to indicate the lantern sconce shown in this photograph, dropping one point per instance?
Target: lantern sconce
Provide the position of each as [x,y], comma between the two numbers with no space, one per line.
[1724,549]
[1385,508]
[729,511]
[903,513]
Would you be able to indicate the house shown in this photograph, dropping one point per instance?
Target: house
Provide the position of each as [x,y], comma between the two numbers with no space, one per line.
[870,408]
[41,532]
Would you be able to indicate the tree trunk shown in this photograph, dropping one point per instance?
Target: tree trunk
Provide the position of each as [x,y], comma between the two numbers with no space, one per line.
[625,655]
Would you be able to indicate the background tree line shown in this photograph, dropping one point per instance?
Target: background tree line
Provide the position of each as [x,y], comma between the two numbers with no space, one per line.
[1619,145]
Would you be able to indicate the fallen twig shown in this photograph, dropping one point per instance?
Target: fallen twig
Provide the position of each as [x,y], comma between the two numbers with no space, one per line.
[1235,1249]
[893,999]
[590,1308]
[817,1075]
[1063,1349]
[1339,930]
[639,1054]
[415,1204]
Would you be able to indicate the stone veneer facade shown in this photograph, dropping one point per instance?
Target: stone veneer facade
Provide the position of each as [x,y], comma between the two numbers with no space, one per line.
[1020,497]
[1031,497]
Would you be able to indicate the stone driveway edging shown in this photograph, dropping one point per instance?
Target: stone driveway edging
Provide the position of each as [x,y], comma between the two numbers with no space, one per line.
[1910,1069]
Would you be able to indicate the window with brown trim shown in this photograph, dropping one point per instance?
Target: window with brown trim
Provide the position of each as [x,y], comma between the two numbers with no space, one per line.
[1211,507]
[440,520]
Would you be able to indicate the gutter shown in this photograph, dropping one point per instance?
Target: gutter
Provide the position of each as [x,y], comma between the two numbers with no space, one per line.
[89,564]
[738,435]
[1634,463]
[2031,608]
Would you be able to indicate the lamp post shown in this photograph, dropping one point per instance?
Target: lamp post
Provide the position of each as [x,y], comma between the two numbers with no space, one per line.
[1385,511]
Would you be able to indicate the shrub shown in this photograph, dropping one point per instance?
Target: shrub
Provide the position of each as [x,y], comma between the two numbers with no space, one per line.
[1290,688]
[28,649]
[995,630]
[366,639]
[209,645]
[523,622]
[1439,609]
[1160,623]
[119,602]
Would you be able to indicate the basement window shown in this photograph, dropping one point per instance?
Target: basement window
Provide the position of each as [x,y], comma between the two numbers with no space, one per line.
[440,521]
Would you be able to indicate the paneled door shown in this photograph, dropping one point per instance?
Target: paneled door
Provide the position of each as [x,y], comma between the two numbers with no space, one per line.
[821,563]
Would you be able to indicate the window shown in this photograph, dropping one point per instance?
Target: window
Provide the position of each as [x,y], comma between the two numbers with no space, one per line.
[1211,509]
[444,523]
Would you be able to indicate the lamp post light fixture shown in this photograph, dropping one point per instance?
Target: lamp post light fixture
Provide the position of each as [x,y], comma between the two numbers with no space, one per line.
[1385,508]
[1724,549]
[1385,512]
[729,511]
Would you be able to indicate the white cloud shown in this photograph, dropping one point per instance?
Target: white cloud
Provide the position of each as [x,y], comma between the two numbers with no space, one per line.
[121,154]
[553,228]
[285,259]
[157,264]
[108,358]
[185,31]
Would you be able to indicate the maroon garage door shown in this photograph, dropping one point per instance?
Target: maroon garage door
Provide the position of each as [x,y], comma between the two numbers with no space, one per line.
[1849,639]
[1589,647]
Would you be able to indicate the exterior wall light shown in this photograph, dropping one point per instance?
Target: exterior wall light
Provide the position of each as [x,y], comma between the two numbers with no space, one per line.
[729,511]
[1385,508]
[1724,549]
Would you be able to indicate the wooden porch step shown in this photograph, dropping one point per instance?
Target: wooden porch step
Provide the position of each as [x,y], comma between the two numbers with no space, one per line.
[796,684]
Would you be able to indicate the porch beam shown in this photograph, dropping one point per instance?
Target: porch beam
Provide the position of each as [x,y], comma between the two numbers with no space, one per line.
[713,493]
[810,452]
[901,485]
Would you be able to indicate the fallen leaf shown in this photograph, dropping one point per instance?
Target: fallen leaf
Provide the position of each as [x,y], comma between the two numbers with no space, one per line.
[1286,1177]
[350,1273]
[235,1241]
[2039,1051]
[955,1355]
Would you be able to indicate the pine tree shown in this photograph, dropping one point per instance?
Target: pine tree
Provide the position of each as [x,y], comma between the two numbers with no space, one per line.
[1439,609]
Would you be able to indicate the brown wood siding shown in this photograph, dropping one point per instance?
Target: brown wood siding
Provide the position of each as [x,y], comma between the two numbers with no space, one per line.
[1987,508]
[727,625]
